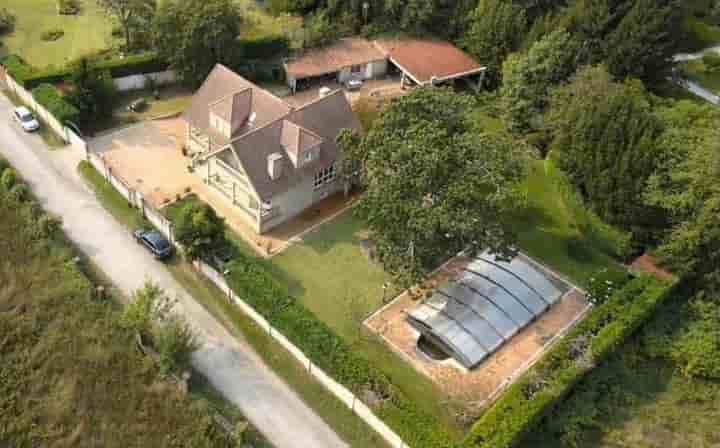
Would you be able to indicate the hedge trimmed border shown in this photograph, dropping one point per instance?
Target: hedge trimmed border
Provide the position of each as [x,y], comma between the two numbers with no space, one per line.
[607,326]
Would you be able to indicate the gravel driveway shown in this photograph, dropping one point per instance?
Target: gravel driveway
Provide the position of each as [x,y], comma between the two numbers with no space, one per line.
[230,365]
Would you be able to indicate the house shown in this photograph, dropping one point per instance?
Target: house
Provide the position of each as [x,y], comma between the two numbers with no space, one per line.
[418,61]
[270,160]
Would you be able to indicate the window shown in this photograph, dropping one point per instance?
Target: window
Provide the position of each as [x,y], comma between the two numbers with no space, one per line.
[308,156]
[324,176]
[356,69]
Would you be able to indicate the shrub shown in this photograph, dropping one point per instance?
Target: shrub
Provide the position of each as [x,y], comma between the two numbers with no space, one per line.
[711,61]
[265,47]
[8,178]
[603,331]
[7,21]
[603,284]
[20,191]
[49,97]
[175,343]
[17,68]
[199,229]
[52,35]
[68,7]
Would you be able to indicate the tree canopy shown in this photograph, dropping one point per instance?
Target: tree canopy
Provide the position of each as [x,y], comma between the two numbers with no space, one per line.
[433,187]
[194,35]
[199,229]
[605,139]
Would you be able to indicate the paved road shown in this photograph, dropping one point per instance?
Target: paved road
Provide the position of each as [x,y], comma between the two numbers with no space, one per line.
[230,365]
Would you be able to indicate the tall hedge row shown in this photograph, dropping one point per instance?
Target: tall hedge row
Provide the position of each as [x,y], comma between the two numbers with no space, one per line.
[31,77]
[545,385]
[49,97]
[253,281]
[264,48]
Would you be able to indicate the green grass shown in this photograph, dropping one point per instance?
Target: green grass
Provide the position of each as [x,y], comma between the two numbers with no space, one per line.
[551,229]
[86,33]
[71,375]
[52,140]
[635,401]
[110,198]
[173,99]
[698,71]
[329,274]
[331,410]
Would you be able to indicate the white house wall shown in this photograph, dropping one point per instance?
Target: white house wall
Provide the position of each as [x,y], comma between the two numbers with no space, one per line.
[298,199]
[376,69]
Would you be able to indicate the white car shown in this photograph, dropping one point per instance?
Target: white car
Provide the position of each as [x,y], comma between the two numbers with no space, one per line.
[26,119]
[354,84]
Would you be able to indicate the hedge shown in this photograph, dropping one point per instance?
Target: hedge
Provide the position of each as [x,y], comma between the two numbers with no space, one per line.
[49,97]
[252,281]
[31,77]
[265,47]
[547,383]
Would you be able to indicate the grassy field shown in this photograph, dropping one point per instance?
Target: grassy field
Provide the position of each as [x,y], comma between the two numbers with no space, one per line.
[70,375]
[635,400]
[90,31]
[85,33]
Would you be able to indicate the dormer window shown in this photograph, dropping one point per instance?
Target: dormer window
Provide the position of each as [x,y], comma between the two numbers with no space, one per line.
[220,125]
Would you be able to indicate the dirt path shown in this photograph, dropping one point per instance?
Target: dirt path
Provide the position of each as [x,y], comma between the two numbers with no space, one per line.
[230,365]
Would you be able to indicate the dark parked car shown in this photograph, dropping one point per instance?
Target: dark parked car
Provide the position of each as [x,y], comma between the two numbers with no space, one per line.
[155,242]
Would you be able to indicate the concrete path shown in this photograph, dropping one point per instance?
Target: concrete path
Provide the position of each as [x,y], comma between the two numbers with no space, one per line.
[691,86]
[684,57]
[230,365]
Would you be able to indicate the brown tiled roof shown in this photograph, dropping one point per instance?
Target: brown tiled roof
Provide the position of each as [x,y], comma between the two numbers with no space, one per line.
[425,59]
[324,117]
[330,59]
[220,89]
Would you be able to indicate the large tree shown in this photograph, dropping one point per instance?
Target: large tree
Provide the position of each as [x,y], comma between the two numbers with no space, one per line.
[495,30]
[606,140]
[194,35]
[132,16]
[686,185]
[528,78]
[433,186]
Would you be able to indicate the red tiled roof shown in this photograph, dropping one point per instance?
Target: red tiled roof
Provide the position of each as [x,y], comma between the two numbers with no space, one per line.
[330,59]
[425,59]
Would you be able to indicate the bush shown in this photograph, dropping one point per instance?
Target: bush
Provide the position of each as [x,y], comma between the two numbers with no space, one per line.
[175,343]
[49,97]
[265,47]
[253,281]
[52,35]
[7,21]
[711,61]
[602,332]
[68,7]
[17,68]
[199,229]
[8,178]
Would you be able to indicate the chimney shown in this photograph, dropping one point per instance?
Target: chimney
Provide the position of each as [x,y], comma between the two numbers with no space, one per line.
[275,165]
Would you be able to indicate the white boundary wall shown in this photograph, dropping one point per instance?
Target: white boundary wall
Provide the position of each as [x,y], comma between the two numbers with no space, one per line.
[137,82]
[165,227]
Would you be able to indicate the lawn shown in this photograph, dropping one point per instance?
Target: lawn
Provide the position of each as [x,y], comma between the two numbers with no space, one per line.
[560,233]
[173,99]
[85,33]
[704,75]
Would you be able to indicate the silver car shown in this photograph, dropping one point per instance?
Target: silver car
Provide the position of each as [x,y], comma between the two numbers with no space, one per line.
[26,119]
